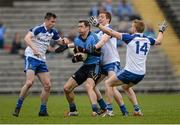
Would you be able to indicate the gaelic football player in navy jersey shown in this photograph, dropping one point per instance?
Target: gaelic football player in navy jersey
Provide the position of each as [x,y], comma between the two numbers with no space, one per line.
[138,46]
[37,41]
[88,72]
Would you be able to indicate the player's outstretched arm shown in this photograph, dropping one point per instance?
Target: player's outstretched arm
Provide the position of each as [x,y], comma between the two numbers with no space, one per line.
[106,30]
[63,47]
[162,28]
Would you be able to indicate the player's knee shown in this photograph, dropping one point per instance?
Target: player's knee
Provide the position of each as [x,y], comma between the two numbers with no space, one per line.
[29,83]
[66,89]
[47,86]
[89,87]
[107,84]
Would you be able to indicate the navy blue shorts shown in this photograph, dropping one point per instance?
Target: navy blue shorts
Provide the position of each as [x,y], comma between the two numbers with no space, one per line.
[129,77]
[87,71]
[115,66]
[37,65]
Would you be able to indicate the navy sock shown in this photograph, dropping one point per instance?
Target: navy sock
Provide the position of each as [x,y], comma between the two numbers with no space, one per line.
[72,107]
[136,108]
[123,109]
[19,102]
[94,108]
[102,104]
[109,107]
[43,107]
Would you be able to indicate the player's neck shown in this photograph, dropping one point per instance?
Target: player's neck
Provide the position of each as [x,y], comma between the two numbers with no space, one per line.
[46,27]
[84,36]
[105,24]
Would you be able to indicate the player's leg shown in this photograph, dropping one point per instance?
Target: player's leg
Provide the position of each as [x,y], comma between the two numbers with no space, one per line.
[117,95]
[90,84]
[112,82]
[30,75]
[68,90]
[132,97]
[100,99]
[129,79]
[44,77]
[119,100]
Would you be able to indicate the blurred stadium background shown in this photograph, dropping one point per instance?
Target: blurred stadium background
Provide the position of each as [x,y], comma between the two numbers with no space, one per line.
[163,63]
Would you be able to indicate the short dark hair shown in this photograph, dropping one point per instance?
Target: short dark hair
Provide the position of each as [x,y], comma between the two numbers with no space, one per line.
[86,23]
[108,15]
[139,25]
[49,15]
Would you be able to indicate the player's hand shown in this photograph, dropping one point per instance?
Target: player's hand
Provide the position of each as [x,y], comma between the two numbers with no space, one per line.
[92,49]
[65,41]
[79,49]
[36,53]
[163,26]
[77,58]
[93,20]
[61,48]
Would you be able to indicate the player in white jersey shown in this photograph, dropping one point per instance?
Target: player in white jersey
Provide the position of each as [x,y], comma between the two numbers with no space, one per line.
[138,47]
[38,40]
[111,65]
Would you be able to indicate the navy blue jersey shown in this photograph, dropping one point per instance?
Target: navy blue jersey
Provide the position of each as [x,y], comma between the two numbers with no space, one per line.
[91,40]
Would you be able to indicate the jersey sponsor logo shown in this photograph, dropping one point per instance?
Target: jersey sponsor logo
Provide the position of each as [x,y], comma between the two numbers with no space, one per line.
[44,40]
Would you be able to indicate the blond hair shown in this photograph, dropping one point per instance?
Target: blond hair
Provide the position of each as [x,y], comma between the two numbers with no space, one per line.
[139,25]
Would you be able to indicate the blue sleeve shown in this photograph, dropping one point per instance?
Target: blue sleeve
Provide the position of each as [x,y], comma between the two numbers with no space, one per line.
[127,38]
[56,35]
[78,42]
[152,41]
[35,31]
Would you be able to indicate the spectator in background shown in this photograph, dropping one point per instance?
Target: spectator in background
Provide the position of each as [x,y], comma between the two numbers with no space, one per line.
[17,45]
[125,11]
[96,9]
[71,35]
[149,31]
[2,33]
[108,6]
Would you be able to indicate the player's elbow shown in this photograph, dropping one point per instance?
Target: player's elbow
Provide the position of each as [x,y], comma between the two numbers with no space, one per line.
[158,43]
[26,39]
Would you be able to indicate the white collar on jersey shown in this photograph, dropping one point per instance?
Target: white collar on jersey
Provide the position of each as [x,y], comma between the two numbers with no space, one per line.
[141,34]
[44,26]
[107,25]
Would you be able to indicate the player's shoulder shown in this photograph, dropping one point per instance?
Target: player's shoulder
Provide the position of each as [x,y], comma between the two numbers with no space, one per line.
[126,37]
[38,28]
[93,35]
[97,31]
[147,38]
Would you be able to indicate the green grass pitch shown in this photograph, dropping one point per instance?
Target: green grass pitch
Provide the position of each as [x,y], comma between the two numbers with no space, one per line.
[157,108]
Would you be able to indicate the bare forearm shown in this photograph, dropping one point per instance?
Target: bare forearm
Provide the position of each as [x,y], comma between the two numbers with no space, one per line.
[99,44]
[110,32]
[71,45]
[29,43]
[159,38]
[104,39]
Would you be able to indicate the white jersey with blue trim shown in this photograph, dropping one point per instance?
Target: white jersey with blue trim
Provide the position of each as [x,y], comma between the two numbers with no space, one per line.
[138,47]
[109,49]
[41,39]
